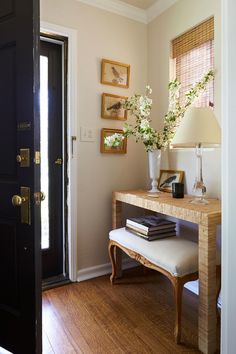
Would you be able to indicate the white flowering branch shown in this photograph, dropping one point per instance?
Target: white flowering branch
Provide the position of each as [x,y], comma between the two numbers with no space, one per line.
[140,106]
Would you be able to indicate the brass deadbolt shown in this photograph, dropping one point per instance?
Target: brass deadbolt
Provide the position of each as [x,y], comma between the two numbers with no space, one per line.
[39,197]
[42,196]
[18,158]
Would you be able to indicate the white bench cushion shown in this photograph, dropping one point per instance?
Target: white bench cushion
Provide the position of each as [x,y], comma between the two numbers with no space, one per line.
[175,254]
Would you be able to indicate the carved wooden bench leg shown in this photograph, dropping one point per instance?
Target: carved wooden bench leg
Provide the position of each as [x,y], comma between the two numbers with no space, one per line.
[178,291]
[118,257]
[111,250]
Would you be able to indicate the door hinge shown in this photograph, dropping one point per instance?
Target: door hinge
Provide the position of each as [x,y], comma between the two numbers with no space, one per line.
[37,157]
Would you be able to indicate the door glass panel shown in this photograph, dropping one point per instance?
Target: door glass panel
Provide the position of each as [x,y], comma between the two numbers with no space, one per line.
[4,351]
[44,151]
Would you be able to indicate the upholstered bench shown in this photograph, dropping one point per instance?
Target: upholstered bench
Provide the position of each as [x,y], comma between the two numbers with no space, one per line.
[175,257]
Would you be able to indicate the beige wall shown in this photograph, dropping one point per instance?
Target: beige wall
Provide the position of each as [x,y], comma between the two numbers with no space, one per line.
[179,18]
[101,35]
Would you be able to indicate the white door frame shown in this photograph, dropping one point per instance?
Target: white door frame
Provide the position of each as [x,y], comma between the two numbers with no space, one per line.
[71,131]
[228,321]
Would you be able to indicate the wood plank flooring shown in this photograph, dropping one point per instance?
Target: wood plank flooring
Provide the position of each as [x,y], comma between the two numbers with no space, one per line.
[135,316]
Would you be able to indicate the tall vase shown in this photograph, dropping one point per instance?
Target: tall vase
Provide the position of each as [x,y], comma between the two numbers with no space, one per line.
[154,160]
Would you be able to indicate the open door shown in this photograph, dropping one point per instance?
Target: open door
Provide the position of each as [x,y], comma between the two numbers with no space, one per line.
[20,252]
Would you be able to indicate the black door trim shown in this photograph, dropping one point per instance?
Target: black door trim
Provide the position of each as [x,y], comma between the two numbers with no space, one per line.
[64,277]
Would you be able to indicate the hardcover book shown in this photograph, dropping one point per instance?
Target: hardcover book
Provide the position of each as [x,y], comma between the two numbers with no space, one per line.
[165,229]
[149,223]
[153,237]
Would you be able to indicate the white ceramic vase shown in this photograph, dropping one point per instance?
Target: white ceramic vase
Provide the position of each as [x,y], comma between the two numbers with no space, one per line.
[154,160]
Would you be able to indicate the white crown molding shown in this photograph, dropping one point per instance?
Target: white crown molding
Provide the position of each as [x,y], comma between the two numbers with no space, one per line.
[119,8]
[158,8]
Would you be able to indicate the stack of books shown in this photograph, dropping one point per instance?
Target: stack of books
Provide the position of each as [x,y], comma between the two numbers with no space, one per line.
[151,227]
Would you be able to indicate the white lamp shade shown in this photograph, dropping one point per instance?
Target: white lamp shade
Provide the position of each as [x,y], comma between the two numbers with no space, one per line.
[198,126]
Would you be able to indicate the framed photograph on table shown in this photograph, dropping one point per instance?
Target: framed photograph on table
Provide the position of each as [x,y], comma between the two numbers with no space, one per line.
[167,177]
[112,108]
[119,149]
[115,74]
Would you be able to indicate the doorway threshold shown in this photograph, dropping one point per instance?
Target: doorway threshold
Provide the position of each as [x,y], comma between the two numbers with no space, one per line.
[55,282]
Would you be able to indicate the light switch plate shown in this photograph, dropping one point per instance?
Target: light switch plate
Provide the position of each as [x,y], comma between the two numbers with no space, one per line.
[87,134]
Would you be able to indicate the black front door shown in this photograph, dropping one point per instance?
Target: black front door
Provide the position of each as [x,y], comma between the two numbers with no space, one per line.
[20,255]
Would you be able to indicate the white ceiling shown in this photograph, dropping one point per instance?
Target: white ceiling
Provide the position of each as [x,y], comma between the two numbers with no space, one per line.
[142,4]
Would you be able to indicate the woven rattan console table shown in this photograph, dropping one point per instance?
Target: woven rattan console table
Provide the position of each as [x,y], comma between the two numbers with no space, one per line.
[207,217]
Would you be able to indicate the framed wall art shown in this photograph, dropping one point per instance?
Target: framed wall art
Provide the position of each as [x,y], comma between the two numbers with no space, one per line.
[167,177]
[119,149]
[115,74]
[111,107]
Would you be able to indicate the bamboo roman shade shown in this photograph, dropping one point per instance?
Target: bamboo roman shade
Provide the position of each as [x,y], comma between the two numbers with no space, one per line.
[193,38]
[193,54]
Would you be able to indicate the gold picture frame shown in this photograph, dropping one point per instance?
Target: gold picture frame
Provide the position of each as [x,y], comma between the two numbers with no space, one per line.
[115,73]
[111,107]
[122,149]
[167,177]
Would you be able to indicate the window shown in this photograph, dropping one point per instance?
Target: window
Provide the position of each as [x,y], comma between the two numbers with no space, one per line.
[193,54]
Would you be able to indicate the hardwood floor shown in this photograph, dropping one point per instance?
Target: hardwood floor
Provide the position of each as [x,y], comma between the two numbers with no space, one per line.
[134,317]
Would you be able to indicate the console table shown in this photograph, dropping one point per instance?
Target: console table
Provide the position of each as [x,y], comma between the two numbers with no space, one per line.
[207,217]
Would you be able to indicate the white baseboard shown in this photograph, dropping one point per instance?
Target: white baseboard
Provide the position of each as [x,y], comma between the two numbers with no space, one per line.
[103,269]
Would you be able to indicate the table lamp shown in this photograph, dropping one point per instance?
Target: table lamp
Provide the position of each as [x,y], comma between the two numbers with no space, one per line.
[198,128]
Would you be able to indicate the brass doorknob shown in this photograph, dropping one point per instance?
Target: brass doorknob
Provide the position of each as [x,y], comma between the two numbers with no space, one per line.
[17,200]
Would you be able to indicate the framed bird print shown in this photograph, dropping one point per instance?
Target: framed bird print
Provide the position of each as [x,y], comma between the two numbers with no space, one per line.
[167,177]
[112,107]
[115,74]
